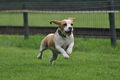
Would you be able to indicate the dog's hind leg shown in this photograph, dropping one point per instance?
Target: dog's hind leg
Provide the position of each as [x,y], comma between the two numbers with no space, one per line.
[42,48]
[54,57]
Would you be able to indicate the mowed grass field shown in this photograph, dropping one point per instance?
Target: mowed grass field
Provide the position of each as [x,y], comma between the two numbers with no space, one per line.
[92,59]
[43,19]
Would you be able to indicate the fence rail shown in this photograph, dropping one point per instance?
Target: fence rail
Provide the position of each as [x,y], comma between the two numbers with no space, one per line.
[85,32]
[37,11]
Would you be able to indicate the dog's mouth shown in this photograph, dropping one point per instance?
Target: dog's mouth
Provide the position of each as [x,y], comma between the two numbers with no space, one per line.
[68,32]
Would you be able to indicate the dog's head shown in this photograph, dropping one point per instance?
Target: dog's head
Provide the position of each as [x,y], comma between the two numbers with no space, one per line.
[65,26]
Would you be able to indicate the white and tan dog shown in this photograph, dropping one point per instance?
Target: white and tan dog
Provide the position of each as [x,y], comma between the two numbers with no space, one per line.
[62,41]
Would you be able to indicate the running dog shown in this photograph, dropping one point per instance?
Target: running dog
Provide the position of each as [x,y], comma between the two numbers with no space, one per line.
[61,42]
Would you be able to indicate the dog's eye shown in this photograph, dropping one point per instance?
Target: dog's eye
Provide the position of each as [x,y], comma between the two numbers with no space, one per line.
[71,24]
[65,24]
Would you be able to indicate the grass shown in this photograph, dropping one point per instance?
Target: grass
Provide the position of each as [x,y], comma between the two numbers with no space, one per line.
[43,19]
[81,44]
[92,59]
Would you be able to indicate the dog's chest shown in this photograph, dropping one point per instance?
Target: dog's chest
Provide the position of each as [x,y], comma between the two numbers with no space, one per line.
[63,42]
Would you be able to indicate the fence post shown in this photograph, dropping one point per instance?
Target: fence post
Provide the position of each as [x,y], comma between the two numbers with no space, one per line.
[112,23]
[25,19]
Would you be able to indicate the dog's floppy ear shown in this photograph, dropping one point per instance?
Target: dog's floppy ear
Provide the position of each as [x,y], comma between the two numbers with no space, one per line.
[72,19]
[55,21]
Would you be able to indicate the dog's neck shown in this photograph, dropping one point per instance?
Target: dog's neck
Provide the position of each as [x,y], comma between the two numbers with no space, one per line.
[60,33]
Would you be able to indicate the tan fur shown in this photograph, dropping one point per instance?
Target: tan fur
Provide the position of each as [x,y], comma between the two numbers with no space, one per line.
[61,41]
[48,41]
[62,22]
[62,25]
[72,19]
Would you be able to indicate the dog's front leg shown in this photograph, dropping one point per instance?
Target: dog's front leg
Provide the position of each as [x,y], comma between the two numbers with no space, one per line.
[69,49]
[62,51]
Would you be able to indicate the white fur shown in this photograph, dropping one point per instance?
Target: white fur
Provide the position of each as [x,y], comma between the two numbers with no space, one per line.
[68,25]
[63,45]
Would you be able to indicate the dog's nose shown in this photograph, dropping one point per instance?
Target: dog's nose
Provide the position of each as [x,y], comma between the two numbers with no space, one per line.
[70,28]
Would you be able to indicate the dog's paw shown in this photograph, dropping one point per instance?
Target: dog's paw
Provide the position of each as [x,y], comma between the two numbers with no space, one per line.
[66,57]
[39,57]
[68,52]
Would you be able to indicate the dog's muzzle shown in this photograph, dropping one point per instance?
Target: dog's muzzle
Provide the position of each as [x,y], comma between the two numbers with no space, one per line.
[70,31]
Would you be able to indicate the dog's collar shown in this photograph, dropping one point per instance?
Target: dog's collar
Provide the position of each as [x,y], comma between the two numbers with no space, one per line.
[62,35]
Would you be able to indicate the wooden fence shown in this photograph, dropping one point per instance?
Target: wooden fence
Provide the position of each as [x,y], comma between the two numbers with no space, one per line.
[84,32]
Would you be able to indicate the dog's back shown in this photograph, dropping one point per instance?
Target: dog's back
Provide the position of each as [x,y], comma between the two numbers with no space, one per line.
[48,41]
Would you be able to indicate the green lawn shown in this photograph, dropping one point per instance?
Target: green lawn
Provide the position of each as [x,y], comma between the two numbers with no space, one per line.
[92,59]
[43,19]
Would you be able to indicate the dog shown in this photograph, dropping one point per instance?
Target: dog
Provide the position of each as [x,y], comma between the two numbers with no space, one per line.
[61,42]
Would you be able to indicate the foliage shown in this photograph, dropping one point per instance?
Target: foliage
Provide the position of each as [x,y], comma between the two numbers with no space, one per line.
[81,44]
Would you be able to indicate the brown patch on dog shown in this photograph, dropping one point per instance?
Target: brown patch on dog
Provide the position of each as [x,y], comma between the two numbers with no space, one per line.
[62,23]
[72,19]
[55,21]
[48,41]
